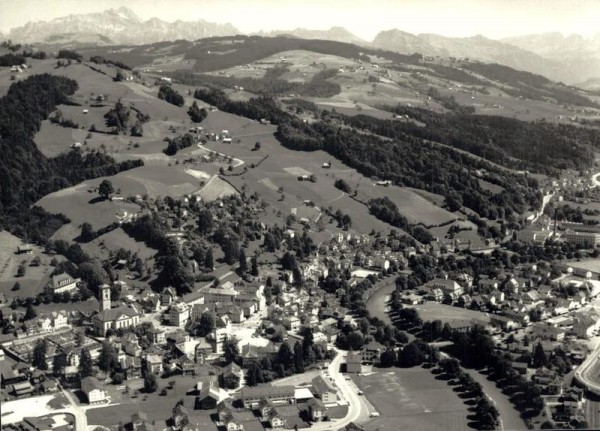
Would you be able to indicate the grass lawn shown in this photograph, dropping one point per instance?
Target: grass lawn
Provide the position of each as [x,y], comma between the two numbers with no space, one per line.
[447,313]
[35,278]
[412,399]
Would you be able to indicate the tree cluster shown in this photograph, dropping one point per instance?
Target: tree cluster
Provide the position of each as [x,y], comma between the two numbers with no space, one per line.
[168,94]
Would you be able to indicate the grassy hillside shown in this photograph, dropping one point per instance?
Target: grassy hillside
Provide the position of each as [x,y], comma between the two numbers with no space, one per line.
[26,173]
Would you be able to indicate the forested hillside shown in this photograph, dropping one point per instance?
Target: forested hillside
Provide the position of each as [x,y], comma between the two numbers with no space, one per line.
[540,147]
[270,84]
[26,173]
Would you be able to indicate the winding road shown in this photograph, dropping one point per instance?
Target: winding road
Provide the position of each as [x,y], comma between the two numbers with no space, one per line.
[358,407]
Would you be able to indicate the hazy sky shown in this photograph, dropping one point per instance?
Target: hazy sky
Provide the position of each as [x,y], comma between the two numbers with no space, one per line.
[365,18]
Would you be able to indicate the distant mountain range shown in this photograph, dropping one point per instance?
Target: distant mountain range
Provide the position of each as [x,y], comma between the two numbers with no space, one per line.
[571,59]
[337,34]
[120,26]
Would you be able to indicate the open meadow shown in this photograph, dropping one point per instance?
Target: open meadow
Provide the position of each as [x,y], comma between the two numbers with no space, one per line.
[36,276]
[412,399]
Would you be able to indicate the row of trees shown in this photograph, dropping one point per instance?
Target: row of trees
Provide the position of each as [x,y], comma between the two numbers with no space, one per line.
[168,94]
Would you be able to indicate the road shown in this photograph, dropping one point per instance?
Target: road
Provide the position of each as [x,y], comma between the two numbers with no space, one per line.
[581,373]
[236,162]
[358,409]
[545,201]
[76,410]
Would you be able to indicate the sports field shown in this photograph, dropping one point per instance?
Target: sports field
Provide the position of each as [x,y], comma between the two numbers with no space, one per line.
[412,399]
[447,313]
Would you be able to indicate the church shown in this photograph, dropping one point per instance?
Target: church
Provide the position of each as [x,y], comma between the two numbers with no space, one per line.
[112,318]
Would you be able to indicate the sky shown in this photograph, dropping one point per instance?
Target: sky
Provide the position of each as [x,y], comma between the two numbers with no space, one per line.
[365,18]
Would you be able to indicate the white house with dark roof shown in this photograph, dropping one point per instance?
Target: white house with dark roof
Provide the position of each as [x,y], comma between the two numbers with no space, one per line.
[61,283]
[324,390]
[93,390]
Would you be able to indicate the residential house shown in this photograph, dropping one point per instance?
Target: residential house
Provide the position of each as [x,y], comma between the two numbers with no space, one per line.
[168,296]
[372,351]
[157,335]
[503,322]
[154,364]
[131,344]
[316,410]
[292,323]
[208,397]
[93,390]
[585,324]
[180,417]
[548,332]
[202,351]
[236,314]
[220,333]
[132,367]
[62,283]
[353,362]
[323,389]
[179,314]
[231,376]
[59,319]
[186,365]
[277,395]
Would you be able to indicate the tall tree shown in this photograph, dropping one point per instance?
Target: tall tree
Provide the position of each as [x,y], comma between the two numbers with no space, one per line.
[243,261]
[208,259]
[307,341]
[105,189]
[150,383]
[230,350]
[196,114]
[539,356]
[59,363]
[298,358]
[206,324]
[39,354]
[254,266]
[108,359]
[285,356]
[30,313]
[86,366]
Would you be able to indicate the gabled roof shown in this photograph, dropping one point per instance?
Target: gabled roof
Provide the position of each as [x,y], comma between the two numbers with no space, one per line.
[322,386]
[209,391]
[115,314]
[267,391]
[89,384]
[232,368]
